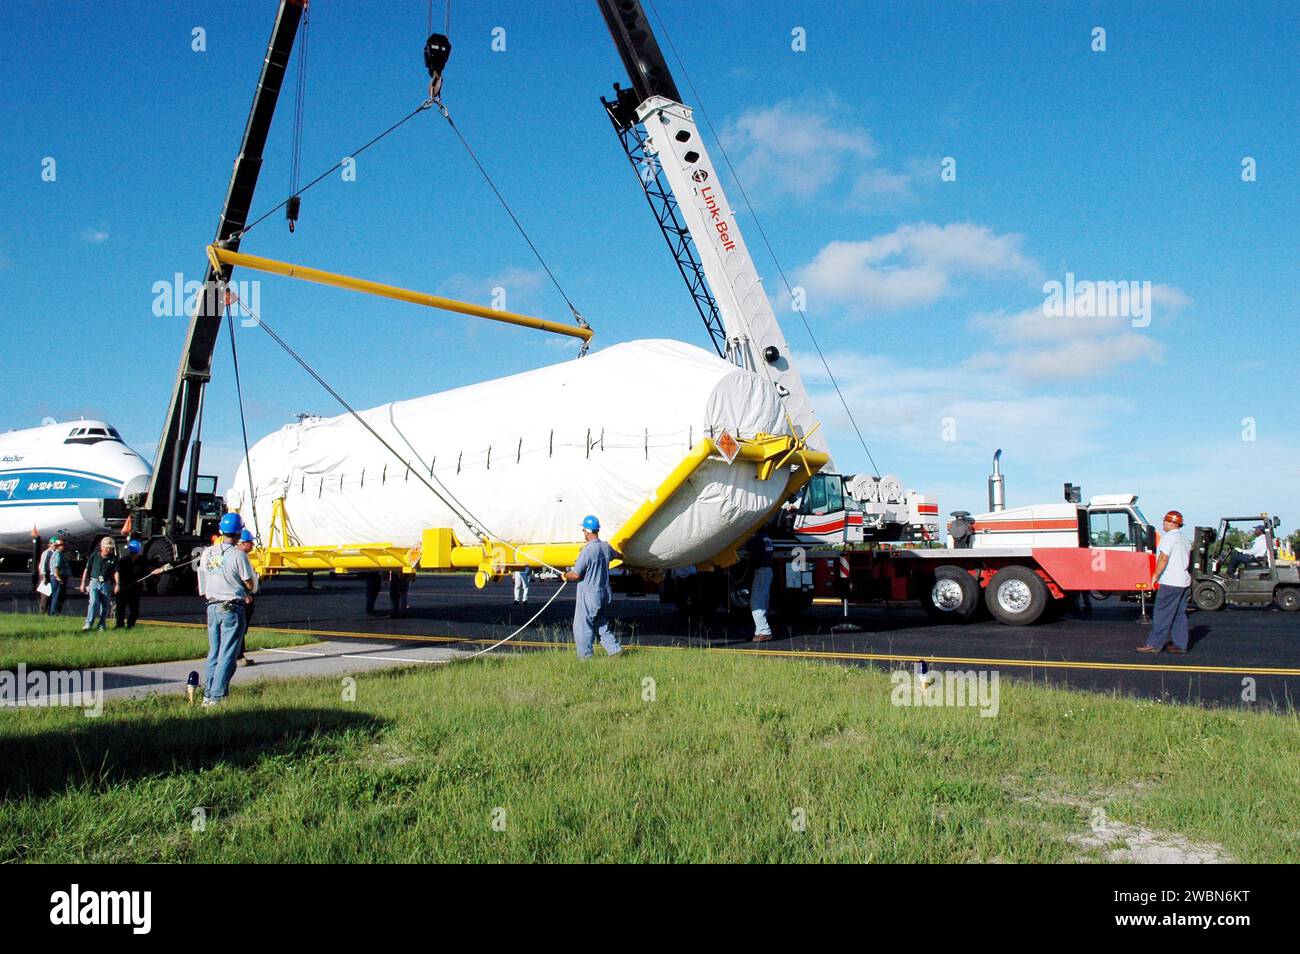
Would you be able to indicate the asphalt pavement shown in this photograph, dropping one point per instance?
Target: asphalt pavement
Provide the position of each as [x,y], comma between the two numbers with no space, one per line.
[1236,653]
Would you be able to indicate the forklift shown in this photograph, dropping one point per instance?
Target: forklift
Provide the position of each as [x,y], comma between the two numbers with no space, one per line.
[1258,583]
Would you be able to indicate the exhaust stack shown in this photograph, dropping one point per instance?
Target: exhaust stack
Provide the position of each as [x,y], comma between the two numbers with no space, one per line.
[997,490]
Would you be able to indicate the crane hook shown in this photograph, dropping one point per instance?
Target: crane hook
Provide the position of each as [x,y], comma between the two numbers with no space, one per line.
[437,50]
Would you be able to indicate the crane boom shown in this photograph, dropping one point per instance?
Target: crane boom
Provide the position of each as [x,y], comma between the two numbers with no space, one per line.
[659,135]
[205,324]
[697,219]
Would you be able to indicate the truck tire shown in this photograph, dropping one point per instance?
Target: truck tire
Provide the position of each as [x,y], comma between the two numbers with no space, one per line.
[1016,596]
[1288,598]
[951,596]
[1209,596]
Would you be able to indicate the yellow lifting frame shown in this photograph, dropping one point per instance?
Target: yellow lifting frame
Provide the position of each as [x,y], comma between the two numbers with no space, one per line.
[439,548]
[219,256]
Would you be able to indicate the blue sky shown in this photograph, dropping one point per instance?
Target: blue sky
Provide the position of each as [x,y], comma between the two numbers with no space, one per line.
[927,295]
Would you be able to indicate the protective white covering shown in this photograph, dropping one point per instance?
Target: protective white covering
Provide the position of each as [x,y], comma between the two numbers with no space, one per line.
[530,455]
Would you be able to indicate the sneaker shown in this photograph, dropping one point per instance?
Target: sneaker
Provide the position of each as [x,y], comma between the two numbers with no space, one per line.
[245,661]
[85,629]
[210,703]
[762,638]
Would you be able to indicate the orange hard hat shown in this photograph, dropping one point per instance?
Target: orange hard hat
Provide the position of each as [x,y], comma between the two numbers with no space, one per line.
[1174,517]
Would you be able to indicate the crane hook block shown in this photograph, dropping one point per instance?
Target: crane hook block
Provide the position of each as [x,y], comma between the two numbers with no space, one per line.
[437,50]
[291,210]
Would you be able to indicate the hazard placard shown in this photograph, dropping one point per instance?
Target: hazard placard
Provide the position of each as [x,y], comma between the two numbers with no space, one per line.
[728,446]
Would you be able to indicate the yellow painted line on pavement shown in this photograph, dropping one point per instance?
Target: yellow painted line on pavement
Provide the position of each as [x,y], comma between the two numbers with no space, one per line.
[802,653]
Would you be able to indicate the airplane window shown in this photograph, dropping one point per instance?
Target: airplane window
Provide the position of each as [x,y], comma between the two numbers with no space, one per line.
[112,432]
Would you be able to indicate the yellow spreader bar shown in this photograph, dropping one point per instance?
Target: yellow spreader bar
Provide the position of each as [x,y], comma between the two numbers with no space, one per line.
[220,256]
[795,653]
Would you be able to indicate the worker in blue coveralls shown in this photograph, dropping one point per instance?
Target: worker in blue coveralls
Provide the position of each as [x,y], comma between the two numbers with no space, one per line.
[590,612]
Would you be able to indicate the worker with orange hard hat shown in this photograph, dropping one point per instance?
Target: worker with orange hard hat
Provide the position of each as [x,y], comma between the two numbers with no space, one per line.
[1172,579]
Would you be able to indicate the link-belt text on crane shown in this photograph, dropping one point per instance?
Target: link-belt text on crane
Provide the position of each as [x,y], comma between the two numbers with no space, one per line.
[718,217]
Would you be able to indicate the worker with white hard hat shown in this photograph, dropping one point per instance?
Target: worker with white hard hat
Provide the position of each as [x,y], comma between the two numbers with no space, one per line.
[590,612]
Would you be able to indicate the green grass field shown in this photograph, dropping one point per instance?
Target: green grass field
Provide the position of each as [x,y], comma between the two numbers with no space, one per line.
[543,758]
[42,642]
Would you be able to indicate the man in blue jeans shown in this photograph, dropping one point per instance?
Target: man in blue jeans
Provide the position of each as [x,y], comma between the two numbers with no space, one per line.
[1171,575]
[759,549]
[226,582]
[590,611]
[99,583]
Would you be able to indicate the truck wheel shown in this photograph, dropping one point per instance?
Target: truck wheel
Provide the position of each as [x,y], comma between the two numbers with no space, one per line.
[1209,596]
[1288,598]
[952,595]
[1016,596]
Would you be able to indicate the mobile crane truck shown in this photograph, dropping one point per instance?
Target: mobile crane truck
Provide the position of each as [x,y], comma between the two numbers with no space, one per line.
[1021,564]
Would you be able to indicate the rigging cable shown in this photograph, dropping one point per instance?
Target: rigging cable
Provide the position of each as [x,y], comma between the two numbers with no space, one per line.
[454,505]
[446,26]
[338,165]
[243,423]
[577,315]
[780,271]
[294,202]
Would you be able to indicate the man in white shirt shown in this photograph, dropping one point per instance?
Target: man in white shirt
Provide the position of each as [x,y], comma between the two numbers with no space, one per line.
[1257,554]
[1172,579]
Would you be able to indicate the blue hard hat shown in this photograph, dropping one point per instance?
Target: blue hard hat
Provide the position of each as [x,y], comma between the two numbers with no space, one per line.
[232,523]
[246,536]
[134,546]
[590,523]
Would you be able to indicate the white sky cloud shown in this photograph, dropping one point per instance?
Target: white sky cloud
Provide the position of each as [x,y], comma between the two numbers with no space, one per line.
[914,265]
[1033,345]
[794,149]
[94,236]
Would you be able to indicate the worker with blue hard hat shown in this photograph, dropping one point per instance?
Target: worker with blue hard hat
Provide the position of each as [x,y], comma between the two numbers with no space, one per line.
[246,543]
[226,582]
[591,607]
[131,574]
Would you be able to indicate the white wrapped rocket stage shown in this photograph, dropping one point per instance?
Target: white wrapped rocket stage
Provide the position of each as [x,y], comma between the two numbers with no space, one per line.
[528,456]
